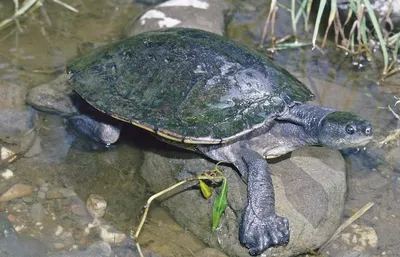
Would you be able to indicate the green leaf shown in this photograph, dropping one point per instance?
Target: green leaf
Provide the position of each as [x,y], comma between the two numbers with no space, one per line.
[219,205]
[206,191]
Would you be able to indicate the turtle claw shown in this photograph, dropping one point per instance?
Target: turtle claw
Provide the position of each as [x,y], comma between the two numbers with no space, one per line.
[260,234]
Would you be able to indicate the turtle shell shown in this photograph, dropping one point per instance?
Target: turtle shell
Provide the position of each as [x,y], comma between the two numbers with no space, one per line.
[186,85]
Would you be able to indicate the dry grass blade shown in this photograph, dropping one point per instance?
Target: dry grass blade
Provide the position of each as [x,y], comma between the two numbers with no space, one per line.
[65,5]
[356,215]
[393,135]
[28,4]
[272,9]
[332,15]
[26,7]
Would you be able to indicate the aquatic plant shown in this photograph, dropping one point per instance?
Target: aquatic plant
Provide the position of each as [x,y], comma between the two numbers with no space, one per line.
[29,6]
[351,35]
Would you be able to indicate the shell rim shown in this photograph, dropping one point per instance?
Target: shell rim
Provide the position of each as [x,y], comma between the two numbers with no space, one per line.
[169,135]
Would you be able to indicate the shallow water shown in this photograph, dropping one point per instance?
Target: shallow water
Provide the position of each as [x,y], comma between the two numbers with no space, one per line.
[53,35]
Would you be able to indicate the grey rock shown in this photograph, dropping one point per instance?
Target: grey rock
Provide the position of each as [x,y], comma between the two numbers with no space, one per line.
[12,95]
[15,117]
[310,189]
[202,14]
[14,123]
[36,248]
[35,150]
[10,245]
[54,97]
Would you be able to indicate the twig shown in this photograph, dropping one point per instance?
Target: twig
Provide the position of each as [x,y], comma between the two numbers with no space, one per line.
[28,4]
[348,222]
[150,200]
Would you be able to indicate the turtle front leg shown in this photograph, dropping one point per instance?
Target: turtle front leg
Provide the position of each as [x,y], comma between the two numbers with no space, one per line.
[260,228]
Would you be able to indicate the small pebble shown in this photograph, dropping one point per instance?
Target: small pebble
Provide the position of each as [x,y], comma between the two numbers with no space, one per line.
[27,199]
[96,206]
[78,209]
[59,230]
[37,212]
[59,246]
[7,174]
[54,194]
[41,195]
[110,235]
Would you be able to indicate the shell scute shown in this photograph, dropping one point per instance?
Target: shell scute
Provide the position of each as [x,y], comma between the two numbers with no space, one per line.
[189,83]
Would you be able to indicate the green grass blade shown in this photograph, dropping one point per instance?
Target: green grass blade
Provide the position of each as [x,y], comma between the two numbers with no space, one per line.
[395,52]
[283,6]
[292,13]
[301,10]
[321,8]
[364,31]
[378,32]
[309,4]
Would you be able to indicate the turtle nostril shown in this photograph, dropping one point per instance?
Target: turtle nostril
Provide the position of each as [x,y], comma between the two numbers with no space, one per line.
[368,130]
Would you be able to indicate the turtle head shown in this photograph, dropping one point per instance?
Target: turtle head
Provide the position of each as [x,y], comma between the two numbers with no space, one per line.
[341,130]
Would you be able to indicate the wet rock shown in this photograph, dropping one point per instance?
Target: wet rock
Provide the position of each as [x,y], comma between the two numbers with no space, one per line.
[309,189]
[16,191]
[14,123]
[37,212]
[10,245]
[12,95]
[202,14]
[54,97]
[96,206]
[161,234]
[35,150]
[98,249]
[35,247]
[15,117]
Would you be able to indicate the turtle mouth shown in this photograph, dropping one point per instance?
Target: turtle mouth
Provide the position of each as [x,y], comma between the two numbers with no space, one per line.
[361,143]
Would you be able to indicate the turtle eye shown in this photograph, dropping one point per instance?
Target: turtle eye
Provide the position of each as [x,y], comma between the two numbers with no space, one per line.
[350,129]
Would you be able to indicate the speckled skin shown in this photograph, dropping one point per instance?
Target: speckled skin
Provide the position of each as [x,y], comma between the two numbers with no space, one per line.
[187,85]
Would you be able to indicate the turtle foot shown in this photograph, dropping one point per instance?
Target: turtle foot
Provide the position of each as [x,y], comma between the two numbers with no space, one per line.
[260,234]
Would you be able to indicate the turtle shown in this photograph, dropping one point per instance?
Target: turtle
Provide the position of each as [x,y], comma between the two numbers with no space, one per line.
[226,101]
